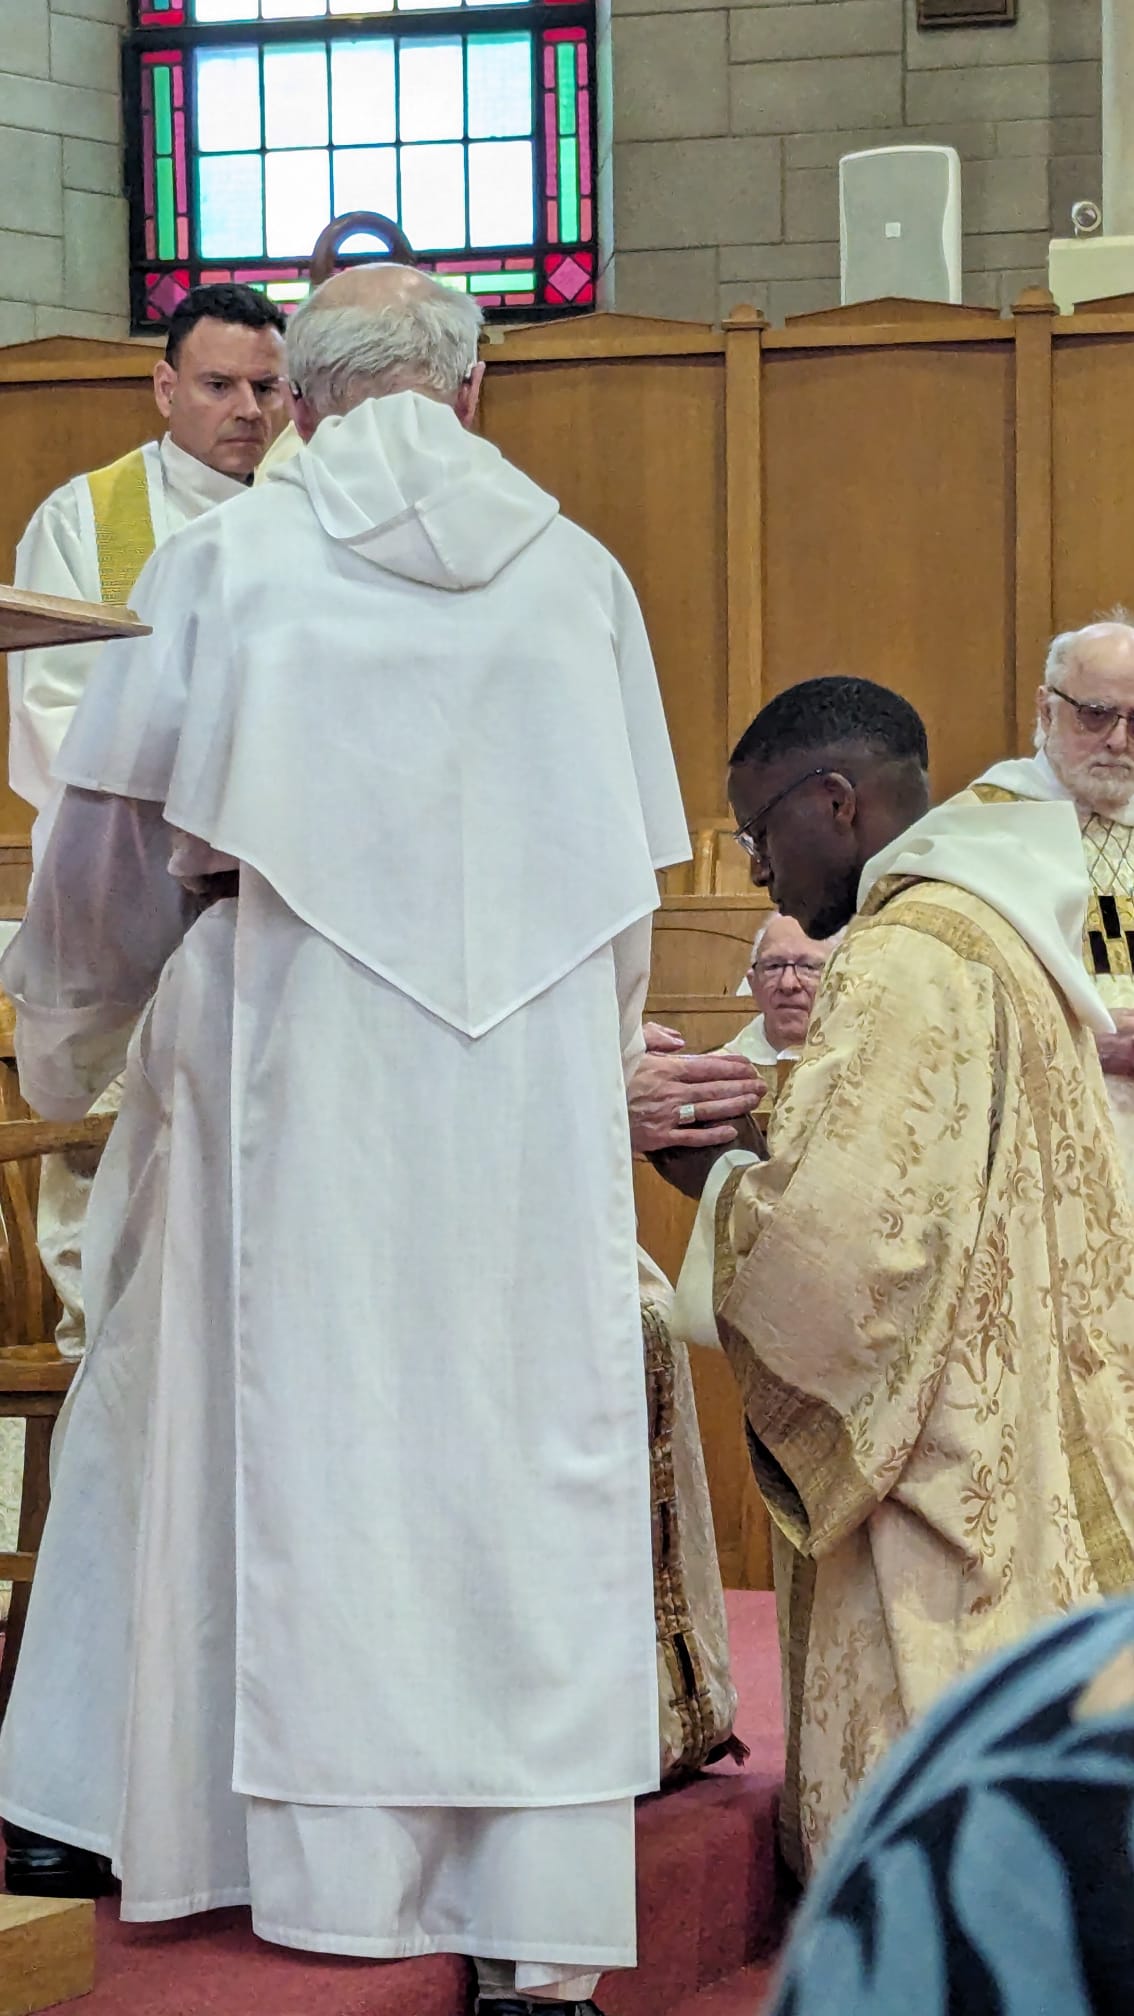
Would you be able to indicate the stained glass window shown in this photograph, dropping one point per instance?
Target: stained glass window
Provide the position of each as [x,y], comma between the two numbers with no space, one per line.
[251,123]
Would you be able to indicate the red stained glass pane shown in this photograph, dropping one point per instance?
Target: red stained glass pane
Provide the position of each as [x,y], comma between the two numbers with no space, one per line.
[567,275]
[153,14]
[163,292]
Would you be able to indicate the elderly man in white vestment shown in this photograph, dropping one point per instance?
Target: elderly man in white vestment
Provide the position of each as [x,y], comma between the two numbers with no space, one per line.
[350,1536]
[1085,753]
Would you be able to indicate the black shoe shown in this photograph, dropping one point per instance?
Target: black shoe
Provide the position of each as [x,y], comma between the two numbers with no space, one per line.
[35,1866]
[518,2005]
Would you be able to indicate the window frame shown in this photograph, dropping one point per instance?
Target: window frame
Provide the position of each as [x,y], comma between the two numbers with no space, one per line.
[532,17]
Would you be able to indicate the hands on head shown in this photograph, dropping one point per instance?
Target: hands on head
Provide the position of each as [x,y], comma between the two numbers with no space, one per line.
[720,1090]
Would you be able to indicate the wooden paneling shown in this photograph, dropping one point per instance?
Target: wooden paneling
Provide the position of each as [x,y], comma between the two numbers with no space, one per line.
[702,946]
[888,475]
[1093,475]
[634,450]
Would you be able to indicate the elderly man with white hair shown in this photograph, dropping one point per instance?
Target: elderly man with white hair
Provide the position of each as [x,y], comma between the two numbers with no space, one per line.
[350,1539]
[1085,753]
[783,980]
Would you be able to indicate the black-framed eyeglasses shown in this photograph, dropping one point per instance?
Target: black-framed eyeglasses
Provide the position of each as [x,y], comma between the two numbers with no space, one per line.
[1092,718]
[804,969]
[754,843]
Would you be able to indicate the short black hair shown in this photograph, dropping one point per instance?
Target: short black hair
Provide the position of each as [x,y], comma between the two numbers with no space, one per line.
[225,302]
[832,714]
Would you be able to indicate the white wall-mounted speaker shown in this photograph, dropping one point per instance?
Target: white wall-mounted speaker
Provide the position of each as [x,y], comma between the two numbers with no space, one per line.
[900,224]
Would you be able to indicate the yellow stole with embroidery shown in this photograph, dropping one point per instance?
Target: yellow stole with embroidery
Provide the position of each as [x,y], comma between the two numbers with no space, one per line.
[124,526]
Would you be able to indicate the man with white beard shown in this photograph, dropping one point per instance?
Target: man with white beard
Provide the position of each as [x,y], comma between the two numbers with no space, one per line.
[378,1368]
[1085,753]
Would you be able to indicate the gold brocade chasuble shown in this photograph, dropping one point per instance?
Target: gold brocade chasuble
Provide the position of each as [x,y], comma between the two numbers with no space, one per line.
[927,1296]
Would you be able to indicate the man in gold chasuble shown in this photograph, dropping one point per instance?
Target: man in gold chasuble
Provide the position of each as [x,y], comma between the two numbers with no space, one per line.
[927,1291]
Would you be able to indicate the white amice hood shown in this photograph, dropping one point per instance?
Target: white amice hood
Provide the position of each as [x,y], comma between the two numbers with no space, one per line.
[1025,860]
[398,684]
[402,483]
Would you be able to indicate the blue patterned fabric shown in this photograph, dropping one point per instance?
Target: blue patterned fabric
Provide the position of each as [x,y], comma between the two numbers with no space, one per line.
[988,1870]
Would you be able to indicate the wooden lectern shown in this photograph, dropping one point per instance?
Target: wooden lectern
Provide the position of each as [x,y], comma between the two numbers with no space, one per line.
[35,622]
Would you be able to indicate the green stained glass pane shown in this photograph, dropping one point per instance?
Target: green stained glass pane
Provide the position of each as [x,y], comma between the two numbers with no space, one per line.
[501,197]
[568,191]
[502,283]
[433,197]
[295,97]
[231,206]
[287,290]
[163,110]
[166,212]
[228,100]
[366,178]
[362,93]
[431,91]
[565,86]
[458,281]
[297,201]
[500,86]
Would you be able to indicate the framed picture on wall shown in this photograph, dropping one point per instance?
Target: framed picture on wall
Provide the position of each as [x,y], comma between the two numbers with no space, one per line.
[966,13]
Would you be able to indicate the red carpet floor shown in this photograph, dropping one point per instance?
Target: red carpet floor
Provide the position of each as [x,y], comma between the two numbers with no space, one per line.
[710,1907]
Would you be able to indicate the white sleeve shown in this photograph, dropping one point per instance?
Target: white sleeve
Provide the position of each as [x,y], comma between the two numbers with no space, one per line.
[103,917]
[658,789]
[54,557]
[632,978]
[693,1317]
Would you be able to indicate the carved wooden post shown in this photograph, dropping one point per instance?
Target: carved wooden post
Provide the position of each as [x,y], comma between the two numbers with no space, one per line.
[1033,313]
[744,493]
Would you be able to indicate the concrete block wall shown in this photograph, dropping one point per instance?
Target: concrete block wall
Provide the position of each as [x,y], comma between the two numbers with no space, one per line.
[63,242]
[728,121]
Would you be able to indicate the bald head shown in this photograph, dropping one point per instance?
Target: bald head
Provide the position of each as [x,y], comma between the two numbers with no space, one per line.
[1084,702]
[378,329]
[375,287]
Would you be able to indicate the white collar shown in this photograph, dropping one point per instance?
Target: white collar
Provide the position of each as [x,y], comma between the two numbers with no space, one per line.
[757,1047]
[1025,860]
[193,482]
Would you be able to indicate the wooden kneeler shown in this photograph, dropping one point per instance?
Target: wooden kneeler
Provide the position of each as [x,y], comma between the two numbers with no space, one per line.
[47,1952]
